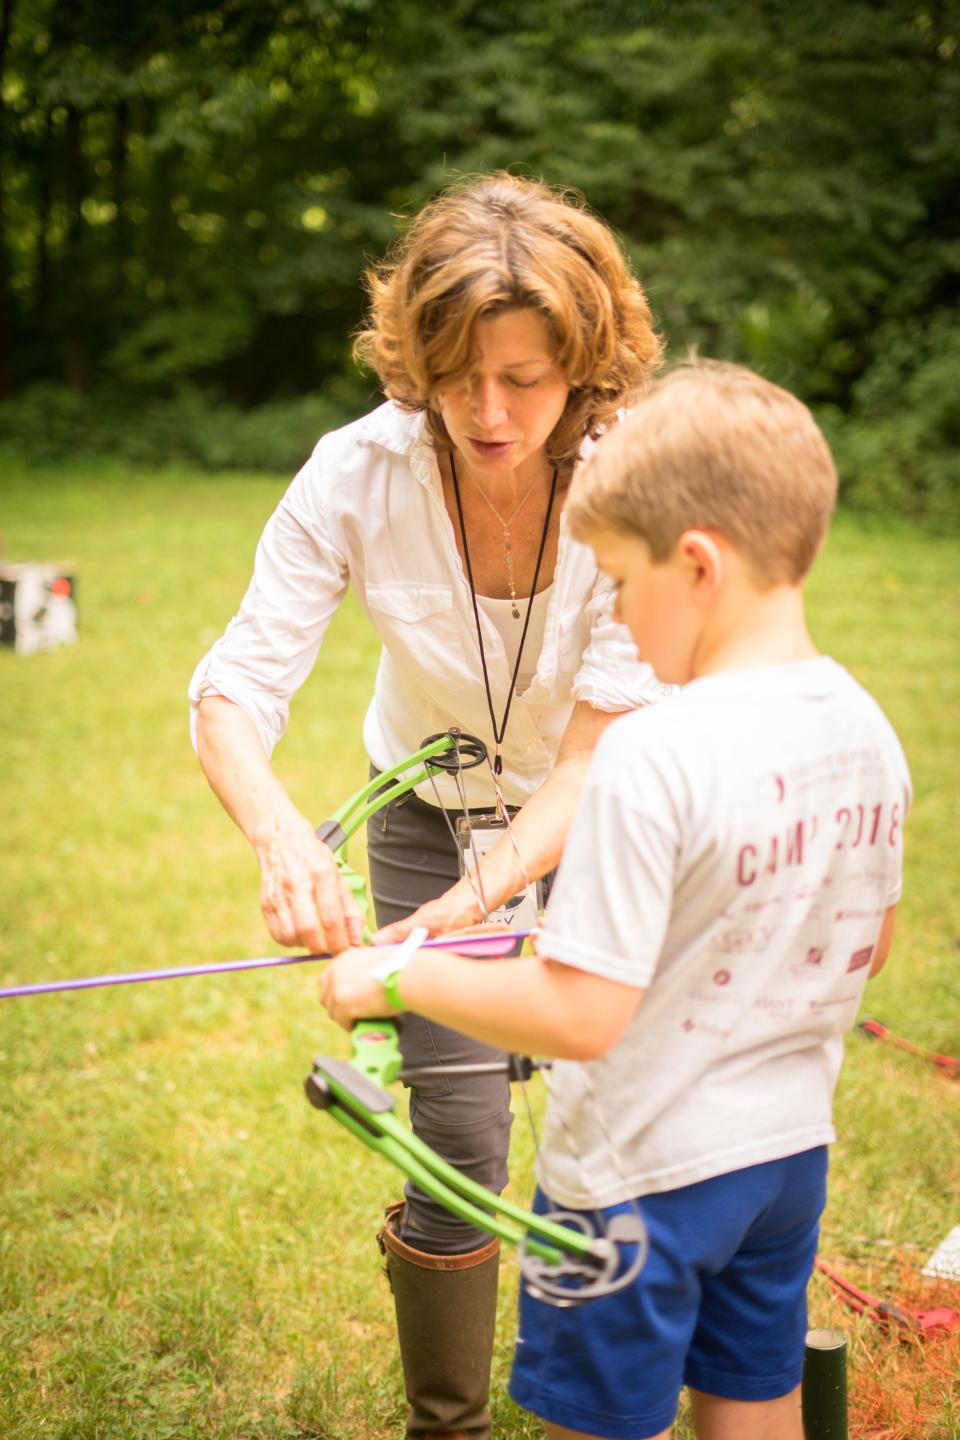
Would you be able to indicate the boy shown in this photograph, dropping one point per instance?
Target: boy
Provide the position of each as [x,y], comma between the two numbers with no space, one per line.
[727,888]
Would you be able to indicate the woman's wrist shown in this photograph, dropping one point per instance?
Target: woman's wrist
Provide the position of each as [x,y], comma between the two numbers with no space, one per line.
[466,898]
[499,876]
[277,829]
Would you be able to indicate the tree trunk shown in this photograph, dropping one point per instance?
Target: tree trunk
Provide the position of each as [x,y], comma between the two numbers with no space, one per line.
[6,368]
[74,346]
[41,262]
[121,131]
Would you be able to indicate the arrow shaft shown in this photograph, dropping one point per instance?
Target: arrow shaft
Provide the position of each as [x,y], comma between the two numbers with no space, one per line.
[477,945]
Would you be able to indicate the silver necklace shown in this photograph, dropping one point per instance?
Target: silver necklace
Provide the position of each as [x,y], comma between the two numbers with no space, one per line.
[507,542]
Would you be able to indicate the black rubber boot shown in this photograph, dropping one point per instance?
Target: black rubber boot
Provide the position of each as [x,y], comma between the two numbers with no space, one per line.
[446,1317]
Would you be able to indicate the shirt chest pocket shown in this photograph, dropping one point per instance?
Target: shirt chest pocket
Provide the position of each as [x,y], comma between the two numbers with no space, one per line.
[419,627]
[407,604]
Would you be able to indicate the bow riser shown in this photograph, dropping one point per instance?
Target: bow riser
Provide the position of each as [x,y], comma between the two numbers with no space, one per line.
[562,1260]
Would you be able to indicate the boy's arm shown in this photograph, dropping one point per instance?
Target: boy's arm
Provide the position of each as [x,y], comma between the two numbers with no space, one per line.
[599,945]
[884,940]
[530,1006]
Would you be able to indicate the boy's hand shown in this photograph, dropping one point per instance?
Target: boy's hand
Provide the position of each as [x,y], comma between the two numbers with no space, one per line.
[347,992]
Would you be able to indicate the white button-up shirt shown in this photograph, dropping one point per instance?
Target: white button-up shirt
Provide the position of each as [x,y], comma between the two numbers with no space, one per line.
[367,509]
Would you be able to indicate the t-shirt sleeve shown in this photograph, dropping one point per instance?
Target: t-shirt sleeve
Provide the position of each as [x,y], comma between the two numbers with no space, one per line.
[611,675]
[611,903]
[267,651]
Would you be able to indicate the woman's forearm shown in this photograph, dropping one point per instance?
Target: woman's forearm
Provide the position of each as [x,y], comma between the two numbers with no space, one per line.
[239,772]
[301,894]
[530,848]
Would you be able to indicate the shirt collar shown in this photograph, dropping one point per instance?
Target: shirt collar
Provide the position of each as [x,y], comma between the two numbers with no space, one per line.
[402,433]
[395,429]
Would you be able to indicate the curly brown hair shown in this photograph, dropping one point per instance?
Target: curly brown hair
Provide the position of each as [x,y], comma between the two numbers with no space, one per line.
[498,243]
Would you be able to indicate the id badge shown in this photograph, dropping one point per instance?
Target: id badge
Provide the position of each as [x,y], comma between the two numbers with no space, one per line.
[475,836]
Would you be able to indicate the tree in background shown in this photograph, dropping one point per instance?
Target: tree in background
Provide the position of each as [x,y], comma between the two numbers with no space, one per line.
[189,192]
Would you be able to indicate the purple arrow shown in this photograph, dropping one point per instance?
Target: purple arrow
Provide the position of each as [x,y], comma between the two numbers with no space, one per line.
[479,946]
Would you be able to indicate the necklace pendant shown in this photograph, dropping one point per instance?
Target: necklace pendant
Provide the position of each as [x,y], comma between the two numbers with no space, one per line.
[509,554]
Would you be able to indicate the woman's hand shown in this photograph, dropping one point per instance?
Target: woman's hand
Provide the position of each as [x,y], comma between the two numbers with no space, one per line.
[347,992]
[302,895]
[303,898]
[457,909]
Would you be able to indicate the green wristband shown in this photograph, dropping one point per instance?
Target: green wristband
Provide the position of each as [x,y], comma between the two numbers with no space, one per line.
[391,988]
[389,970]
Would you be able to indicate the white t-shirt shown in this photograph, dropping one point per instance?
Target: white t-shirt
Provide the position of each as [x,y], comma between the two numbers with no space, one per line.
[733,855]
[367,510]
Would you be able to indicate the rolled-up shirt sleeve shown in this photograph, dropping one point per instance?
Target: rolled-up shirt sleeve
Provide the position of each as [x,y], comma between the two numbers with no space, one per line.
[611,675]
[269,648]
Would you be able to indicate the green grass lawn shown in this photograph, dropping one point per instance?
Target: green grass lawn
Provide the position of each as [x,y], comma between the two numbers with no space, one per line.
[187,1247]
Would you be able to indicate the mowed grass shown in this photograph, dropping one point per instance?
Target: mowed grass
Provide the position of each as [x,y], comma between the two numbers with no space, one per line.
[187,1247]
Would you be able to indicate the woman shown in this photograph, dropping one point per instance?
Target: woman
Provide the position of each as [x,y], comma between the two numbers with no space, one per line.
[507,331]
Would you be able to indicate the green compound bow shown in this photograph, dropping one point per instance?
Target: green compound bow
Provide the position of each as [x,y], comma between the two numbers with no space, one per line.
[563,1259]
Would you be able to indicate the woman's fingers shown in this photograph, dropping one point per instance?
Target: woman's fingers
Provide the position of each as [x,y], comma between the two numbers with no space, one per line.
[447,913]
[303,897]
[399,930]
[335,907]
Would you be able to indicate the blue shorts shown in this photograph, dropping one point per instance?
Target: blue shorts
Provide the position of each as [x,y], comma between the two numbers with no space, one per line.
[719,1305]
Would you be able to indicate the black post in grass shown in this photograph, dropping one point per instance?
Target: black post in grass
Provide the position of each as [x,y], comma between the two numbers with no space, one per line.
[823,1391]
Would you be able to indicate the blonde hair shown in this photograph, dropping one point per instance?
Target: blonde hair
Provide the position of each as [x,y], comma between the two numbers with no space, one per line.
[714,447]
[498,243]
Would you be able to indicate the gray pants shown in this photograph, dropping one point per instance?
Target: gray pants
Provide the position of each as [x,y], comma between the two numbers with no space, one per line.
[466,1119]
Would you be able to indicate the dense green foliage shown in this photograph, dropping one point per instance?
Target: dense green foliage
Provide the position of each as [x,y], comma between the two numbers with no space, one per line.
[189,192]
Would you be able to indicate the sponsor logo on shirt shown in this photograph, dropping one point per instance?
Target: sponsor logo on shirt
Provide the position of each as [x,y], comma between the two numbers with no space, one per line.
[779,1007]
[811,967]
[742,942]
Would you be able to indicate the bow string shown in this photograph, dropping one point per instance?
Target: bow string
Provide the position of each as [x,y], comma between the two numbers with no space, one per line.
[563,1259]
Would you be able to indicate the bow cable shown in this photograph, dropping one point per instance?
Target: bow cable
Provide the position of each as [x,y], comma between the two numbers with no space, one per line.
[563,1259]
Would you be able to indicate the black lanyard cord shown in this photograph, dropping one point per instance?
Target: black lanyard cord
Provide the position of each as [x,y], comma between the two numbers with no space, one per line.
[498,734]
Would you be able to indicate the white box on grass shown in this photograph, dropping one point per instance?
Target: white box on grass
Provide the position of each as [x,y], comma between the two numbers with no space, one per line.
[944,1263]
[38,608]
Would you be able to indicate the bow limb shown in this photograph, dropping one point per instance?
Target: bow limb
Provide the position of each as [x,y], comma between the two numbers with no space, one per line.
[449,751]
[562,1259]
[561,1263]
[438,753]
